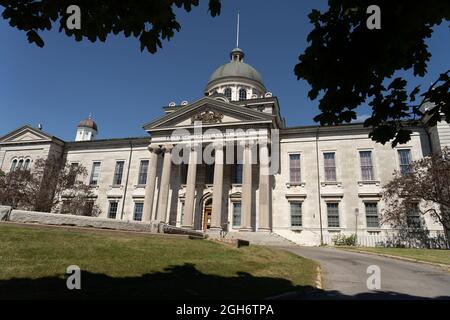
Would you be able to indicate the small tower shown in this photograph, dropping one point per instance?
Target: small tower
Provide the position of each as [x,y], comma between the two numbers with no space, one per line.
[87,130]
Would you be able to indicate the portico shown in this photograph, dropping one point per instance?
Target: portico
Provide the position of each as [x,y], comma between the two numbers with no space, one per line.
[205,205]
[224,140]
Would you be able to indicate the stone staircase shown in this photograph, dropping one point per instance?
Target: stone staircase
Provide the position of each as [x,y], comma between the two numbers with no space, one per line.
[259,238]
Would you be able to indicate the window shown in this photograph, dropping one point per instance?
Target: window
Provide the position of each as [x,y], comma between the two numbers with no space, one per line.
[65,207]
[227,93]
[236,214]
[242,94]
[138,208]
[13,165]
[330,166]
[118,173]
[88,208]
[405,161]
[413,216]
[184,171]
[182,213]
[333,215]
[372,220]
[296,214]
[26,165]
[238,173]
[112,211]
[72,177]
[209,174]
[20,164]
[95,173]
[294,167]
[143,169]
[366,165]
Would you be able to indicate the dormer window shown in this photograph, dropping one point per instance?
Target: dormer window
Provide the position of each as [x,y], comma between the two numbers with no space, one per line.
[242,94]
[227,93]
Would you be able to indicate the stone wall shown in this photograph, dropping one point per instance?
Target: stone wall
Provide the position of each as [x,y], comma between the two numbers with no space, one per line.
[21,216]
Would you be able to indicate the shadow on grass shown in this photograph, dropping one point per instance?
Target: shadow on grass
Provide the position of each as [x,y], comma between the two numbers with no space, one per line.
[176,282]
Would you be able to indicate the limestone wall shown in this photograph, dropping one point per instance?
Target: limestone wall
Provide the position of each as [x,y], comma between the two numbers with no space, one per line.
[349,191]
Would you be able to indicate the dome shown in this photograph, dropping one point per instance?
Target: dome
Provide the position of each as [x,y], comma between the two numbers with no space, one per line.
[88,123]
[236,68]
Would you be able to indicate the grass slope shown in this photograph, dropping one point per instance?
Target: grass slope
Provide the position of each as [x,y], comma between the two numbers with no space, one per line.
[427,255]
[33,262]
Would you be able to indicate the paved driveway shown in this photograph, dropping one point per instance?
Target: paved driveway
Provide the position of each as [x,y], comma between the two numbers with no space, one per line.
[345,276]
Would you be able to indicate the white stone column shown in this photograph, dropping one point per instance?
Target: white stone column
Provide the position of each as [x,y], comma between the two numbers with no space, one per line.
[189,204]
[216,214]
[163,200]
[151,182]
[246,204]
[264,188]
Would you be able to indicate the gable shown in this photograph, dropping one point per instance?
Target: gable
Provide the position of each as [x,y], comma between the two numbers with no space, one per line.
[209,112]
[26,134]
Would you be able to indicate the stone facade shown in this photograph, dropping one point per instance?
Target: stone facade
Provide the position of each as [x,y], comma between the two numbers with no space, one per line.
[319,177]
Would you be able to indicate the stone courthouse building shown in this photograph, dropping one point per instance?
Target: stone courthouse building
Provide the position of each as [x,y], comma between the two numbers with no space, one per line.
[265,177]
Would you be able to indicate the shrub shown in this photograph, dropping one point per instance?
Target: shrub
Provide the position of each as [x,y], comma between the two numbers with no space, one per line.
[342,240]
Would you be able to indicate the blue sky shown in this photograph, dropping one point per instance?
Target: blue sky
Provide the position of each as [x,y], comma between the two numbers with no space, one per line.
[65,81]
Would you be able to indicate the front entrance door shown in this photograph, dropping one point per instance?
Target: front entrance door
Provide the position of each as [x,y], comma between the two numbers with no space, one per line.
[207,216]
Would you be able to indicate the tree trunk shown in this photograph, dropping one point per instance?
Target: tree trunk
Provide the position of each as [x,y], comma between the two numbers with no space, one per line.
[447,235]
[445,220]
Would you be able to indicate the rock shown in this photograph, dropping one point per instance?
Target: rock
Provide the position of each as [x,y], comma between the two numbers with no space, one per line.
[4,213]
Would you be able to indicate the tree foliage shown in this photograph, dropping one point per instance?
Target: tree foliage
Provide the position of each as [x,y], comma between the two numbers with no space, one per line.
[347,64]
[151,21]
[47,186]
[17,189]
[428,183]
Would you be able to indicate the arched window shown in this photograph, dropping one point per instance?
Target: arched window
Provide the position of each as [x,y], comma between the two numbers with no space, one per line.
[227,93]
[20,164]
[26,165]
[242,94]
[14,165]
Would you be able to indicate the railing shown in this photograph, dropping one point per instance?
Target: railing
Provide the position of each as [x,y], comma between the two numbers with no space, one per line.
[434,239]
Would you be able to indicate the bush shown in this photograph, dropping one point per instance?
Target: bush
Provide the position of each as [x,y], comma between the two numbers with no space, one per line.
[342,240]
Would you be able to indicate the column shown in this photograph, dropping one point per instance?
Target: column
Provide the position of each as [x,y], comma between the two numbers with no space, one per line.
[246,204]
[151,182]
[264,188]
[189,204]
[216,214]
[163,200]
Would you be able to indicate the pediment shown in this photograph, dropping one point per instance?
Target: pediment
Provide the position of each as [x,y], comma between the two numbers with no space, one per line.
[26,134]
[210,112]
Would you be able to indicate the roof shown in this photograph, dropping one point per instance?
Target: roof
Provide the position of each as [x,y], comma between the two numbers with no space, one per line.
[37,136]
[88,123]
[236,68]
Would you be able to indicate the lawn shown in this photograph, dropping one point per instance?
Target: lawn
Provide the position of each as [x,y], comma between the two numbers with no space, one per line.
[33,262]
[428,255]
